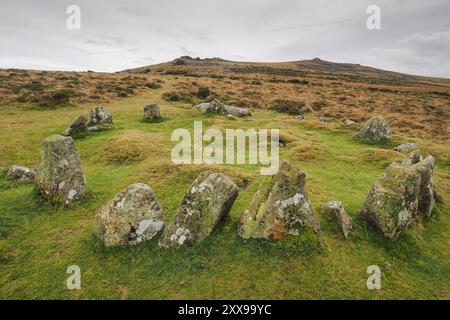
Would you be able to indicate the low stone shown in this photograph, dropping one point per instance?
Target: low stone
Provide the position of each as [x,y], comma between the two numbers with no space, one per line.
[207,200]
[279,208]
[217,107]
[300,117]
[413,157]
[335,210]
[132,216]
[375,130]
[60,178]
[152,112]
[393,200]
[100,116]
[349,122]
[324,119]
[78,125]
[405,147]
[21,174]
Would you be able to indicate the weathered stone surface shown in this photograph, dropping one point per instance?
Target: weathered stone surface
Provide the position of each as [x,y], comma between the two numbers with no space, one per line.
[375,130]
[336,211]
[426,169]
[279,208]
[21,174]
[78,125]
[392,201]
[217,107]
[100,116]
[152,112]
[132,216]
[207,200]
[405,147]
[60,177]
[324,119]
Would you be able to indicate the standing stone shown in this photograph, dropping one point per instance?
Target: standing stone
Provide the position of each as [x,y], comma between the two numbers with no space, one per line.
[207,200]
[152,112]
[100,116]
[392,201]
[132,216]
[279,208]
[21,174]
[77,126]
[60,178]
[336,211]
[375,130]
[426,169]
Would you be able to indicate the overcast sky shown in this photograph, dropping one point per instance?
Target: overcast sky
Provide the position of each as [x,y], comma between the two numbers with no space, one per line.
[115,35]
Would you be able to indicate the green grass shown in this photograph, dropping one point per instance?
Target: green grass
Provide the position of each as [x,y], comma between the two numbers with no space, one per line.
[38,242]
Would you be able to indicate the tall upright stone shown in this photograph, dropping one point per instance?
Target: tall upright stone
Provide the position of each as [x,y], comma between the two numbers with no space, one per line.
[279,208]
[60,178]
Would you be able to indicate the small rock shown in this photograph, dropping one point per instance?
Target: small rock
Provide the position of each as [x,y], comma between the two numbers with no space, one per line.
[300,117]
[279,208]
[217,107]
[207,200]
[132,216]
[349,122]
[152,112]
[324,119]
[77,126]
[100,116]
[60,178]
[335,210]
[21,174]
[413,158]
[375,130]
[405,147]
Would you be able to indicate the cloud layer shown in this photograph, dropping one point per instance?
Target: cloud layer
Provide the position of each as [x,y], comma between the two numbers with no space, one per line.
[115,35]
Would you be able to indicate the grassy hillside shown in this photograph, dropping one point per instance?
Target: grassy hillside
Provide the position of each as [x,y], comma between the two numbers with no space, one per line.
[38,242]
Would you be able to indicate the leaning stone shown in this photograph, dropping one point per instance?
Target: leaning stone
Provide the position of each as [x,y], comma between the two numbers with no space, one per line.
[77,126]
[100,116]
[207,200]
[21,174]
[60,178]
[336,211]
[426,169]
[132,216]
[392,202]
[375,130]
[405,147]
[152,112]
[279,208]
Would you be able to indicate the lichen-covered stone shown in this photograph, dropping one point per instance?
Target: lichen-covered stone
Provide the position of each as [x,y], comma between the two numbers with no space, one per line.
[60,177]
[392,202]
[279,208]
[335,210]
[207,200]
[349,123]
[21,174]
[413,157]
[405,147]
[132,216]
[426,169]
[152,112]
[100,116]
[78,125]
[217,107]
[375,130]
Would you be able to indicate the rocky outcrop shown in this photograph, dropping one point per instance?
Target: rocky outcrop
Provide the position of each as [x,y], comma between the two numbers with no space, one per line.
[392,202]
[78,125]
[335,210]
[100,117]
[152,112]
[21,174]
[375,130]
[279,208]
[405,147]
[217,107]
[207,200]
[60,178]
[132,216]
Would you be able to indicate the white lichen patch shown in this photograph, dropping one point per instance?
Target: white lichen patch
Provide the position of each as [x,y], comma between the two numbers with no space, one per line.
[145,224]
